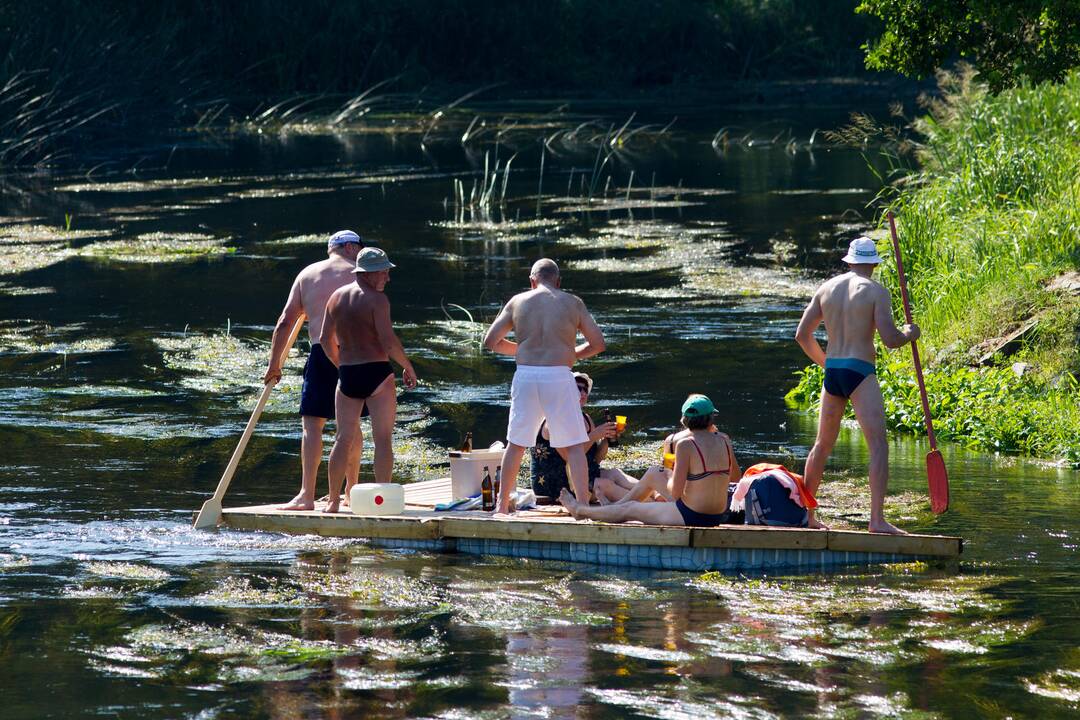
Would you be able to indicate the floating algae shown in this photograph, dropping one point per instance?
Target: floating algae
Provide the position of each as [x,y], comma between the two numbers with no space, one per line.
[845,502]
[22,291]
[194,652]
[158,247]
[127,571]
[31,247]
[217,363]
[141,186]
[9,561]
[26,338]
[255,193]
[1058,684]
[381,589]
[878,622]
[241,592]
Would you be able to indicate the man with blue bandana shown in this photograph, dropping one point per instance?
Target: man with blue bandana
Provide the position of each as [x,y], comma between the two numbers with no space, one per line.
[307,299]
[853,306]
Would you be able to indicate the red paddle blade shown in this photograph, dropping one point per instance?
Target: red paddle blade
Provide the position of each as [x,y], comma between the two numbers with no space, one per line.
[939,482]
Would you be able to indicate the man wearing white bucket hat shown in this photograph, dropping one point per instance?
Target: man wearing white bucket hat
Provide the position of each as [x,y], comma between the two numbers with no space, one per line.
[360,340]
[852,307]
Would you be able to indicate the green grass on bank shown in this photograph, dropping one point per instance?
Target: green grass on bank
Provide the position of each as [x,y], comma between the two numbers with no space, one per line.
[989,221]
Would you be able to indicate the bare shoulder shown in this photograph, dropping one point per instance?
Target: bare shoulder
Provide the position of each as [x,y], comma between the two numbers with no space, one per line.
[574,301]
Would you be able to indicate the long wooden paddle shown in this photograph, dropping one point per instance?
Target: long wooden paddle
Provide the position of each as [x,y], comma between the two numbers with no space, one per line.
[210,514]
[936,475]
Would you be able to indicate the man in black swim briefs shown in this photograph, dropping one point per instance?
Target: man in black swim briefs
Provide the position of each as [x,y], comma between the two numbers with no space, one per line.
[852,306]
[307,300]
[359,339]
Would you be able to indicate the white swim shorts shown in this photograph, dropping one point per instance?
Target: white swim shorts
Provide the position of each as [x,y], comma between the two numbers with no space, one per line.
[540,392]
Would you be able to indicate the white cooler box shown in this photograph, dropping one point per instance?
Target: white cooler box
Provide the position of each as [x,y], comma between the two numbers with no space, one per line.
[467,470]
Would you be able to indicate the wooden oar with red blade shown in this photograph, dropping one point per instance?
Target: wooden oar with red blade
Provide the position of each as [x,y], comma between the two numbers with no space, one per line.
[936,475]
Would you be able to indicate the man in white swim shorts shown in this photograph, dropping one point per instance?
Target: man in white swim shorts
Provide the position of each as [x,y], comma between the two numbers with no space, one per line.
[545,322]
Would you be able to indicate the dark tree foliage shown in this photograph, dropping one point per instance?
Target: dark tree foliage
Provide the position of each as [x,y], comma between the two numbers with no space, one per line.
[1007,40]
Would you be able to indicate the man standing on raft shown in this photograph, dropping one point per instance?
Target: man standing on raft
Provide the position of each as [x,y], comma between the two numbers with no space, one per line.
[307,299]
[545,322]
[359,339]
[852,306]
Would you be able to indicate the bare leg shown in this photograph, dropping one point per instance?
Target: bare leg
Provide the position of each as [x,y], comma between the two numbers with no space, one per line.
[577,470]
[348,435]
[311,447]
[511,464]
[655,480]
[612,485]
[870,412]
[832,412]
[353,473]
[383,408]
[650,513]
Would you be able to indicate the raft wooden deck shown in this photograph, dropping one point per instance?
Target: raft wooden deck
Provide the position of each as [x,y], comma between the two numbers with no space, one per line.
[550,533]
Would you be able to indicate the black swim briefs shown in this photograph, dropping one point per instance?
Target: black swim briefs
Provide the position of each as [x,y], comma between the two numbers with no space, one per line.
[360,381]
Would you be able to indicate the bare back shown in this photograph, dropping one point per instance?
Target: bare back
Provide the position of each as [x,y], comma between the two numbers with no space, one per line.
[354,312]
[707,494]
[850,305]
[316,283]
[546,322]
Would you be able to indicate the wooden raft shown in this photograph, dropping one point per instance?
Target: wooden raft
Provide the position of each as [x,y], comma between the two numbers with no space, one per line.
[549,532]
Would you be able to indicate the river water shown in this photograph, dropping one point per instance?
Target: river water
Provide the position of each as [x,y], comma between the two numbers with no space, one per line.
[127,373]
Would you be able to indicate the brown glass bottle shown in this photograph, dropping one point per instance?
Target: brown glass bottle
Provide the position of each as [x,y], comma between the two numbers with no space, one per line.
[467,445]
[609,418]
[487,496]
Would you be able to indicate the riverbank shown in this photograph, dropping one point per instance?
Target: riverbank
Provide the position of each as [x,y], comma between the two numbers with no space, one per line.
[990,230]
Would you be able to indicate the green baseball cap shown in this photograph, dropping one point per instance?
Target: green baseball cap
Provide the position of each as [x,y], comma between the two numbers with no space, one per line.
[697,406]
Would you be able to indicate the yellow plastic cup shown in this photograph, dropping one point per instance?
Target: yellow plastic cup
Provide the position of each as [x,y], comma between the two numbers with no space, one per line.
[620,422]
[669,461]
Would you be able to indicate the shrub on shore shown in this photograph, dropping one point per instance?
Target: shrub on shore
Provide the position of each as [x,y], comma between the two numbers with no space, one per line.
[991,218]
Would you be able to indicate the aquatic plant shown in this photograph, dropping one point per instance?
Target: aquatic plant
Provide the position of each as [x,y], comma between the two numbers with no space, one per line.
[158,247]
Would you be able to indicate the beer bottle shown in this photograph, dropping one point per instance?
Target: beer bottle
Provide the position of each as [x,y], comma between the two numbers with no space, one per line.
[609,418]
[487,498]
[498,483]
[467,445]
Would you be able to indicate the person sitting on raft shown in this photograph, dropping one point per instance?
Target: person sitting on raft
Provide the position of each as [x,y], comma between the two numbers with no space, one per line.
[704,466]
[548,464]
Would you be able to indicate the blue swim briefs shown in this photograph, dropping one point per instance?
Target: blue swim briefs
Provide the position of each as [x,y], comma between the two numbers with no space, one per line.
[843,375]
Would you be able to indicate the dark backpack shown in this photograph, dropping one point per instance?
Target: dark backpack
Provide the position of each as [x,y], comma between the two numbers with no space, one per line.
[768,502]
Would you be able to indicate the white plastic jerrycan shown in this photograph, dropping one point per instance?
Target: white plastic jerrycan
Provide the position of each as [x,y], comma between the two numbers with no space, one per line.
[377,499]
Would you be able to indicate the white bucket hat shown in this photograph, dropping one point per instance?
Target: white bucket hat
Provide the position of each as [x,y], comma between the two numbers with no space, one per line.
[586,378]
[862,251]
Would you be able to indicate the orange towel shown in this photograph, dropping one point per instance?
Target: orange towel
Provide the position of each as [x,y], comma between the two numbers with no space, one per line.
[809,501]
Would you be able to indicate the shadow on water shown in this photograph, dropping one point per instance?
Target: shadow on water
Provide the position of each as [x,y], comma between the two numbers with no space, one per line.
[131,347]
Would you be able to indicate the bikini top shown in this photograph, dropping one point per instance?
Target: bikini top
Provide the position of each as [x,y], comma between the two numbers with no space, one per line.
[706,473]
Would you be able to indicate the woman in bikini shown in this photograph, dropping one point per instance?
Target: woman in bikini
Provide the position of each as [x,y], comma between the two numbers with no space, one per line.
[704,466]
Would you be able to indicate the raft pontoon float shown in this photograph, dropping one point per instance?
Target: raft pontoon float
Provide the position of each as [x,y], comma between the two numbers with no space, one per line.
[550,533]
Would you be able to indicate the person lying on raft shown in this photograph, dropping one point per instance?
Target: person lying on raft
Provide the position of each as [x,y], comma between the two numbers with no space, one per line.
[698,485]
[548,464]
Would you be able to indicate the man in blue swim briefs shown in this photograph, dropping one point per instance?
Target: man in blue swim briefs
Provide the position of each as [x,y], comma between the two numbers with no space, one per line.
[852,307]
[307,299]
[359,339]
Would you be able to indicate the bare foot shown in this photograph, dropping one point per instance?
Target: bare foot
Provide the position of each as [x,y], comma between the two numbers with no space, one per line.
[332,506]
[886,527]
[816,524]
[569,502]
[298,503]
